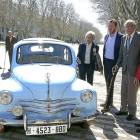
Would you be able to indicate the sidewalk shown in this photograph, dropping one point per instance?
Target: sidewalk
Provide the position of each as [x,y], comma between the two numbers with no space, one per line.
[108,125]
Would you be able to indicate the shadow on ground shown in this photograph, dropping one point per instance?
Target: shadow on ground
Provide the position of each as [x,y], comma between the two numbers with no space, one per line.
[5,76]
[112,126]
[74,133]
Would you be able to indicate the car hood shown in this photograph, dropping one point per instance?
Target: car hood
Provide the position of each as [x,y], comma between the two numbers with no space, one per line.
[35,78]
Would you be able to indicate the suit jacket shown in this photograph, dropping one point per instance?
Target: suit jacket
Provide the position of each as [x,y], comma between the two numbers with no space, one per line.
[81,55]
[117,45]
[9,46]
[130,59]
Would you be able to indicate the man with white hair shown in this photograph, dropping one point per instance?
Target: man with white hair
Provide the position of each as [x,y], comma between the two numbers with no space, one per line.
[129,59]
[86,57]
[10,41]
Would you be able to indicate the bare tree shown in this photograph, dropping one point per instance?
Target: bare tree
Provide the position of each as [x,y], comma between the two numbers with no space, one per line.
[121,10]
[44,18]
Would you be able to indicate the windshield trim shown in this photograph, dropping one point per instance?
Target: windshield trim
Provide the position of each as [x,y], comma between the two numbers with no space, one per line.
[36,43]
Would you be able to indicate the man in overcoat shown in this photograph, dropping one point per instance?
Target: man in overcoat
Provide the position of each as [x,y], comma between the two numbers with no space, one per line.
[10,41]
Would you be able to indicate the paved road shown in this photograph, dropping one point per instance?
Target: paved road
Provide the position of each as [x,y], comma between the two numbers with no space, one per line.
[107,126]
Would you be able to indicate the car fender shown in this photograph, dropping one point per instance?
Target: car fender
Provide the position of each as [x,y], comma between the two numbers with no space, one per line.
[17,91]
[75,91]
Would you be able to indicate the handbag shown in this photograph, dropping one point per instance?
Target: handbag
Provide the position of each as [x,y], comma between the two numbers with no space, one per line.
[98,63]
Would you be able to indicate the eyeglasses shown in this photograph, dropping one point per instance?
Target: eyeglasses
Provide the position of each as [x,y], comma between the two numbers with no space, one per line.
[128,27]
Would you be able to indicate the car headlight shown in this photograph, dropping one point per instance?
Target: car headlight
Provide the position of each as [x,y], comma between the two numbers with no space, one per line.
[5,97]
[76,112]
[86,96]
[17,110]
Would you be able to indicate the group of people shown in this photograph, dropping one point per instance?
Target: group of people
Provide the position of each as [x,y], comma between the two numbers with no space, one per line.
[10,41]
[119,51]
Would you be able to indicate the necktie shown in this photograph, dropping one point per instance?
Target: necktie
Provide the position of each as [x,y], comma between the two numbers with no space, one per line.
[128,42]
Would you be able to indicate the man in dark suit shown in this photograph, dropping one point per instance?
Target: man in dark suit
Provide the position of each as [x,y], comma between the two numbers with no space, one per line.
[129,59]
[110,56]
[10,41]
[86,57]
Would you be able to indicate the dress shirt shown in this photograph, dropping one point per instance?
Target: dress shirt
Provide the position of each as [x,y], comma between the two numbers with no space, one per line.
[87,53]
[131,36]
[10,39]
[109,47]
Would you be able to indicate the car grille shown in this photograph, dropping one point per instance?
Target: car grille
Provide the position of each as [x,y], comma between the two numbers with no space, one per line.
[47,108]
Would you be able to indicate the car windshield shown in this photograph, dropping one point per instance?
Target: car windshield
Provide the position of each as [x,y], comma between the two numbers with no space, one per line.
[44,53]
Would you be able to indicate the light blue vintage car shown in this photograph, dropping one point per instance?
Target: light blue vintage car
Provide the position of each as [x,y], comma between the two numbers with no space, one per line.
[43,93]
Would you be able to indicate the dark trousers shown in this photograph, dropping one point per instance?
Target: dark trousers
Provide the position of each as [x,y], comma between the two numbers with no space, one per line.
[10,58]
[108,64]
[88,72]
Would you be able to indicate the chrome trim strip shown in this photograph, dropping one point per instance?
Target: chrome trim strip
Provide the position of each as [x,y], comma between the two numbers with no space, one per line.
[45,108]
[69,120]
[25,122]
[49,113]
[15,122]
[9,110]
[55,107]
[47,102]
[48,90]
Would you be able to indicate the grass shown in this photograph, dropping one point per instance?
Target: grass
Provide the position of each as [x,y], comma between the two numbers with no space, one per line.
[2,43]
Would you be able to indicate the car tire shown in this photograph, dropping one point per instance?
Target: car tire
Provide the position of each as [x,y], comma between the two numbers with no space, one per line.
[6,129]
[84,125]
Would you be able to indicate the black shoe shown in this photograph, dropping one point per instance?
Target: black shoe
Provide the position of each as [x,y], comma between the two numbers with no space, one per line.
[119,113]
[137,124]
[103,104]
[106,109]
[138,130]
[0,67]
[130,117]
[9,70]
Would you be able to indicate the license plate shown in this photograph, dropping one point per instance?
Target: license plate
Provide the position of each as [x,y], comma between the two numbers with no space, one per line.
[40,130]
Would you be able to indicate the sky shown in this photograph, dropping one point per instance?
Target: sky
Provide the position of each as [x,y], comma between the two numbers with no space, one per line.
[84,9]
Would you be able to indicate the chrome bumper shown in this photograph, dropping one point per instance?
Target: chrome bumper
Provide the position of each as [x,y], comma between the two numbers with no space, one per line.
[25,122]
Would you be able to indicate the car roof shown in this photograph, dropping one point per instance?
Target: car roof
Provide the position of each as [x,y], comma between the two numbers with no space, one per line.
[49,40]
[42,39]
